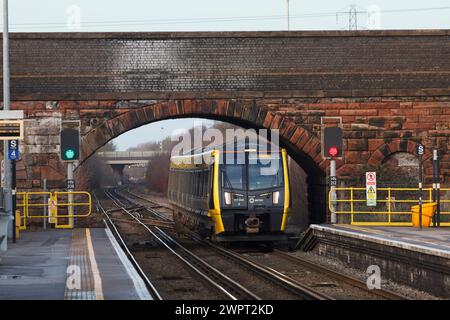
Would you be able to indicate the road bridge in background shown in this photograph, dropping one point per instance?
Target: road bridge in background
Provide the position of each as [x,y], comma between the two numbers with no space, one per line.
[127,157]
[119,159]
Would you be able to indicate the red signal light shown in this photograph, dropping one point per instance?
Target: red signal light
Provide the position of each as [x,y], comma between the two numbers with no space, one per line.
[333,151]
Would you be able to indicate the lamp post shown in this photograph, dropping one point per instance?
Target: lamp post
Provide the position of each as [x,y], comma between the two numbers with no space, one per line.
[7,192]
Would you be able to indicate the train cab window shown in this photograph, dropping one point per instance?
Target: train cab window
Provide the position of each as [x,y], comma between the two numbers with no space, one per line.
[233,176]
[265,175]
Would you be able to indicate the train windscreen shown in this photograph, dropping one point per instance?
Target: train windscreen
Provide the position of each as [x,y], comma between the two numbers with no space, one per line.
[260,175]
[233,176]
[265,175]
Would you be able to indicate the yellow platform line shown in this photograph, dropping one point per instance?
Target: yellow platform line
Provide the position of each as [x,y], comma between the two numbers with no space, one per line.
[95,272]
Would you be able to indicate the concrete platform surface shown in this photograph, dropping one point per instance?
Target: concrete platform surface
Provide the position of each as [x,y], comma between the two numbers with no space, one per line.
[79,264]
[434,241]
[417,258]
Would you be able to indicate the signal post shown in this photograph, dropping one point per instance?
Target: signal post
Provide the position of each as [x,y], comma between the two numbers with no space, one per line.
[332,149]
[70,152]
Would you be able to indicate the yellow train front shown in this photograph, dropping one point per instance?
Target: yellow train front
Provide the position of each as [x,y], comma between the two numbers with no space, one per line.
[231,196]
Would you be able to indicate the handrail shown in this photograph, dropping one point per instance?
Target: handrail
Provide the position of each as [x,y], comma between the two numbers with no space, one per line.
[55,203]
[354,200]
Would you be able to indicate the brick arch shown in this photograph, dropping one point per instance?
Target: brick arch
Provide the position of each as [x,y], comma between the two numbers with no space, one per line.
[380,155]
[301,144]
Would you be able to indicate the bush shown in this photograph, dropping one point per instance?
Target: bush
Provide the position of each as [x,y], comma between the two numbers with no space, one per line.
[158,173]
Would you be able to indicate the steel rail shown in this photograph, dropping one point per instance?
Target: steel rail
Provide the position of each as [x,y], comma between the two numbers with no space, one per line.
[224,279]
[384,293]
[275,276]
[152,210]
[268,273]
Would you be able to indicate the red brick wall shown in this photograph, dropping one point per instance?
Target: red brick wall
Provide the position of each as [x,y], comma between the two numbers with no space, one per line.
[374,129]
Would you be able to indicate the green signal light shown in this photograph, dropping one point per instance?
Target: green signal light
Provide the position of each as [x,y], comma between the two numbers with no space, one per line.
[69,154]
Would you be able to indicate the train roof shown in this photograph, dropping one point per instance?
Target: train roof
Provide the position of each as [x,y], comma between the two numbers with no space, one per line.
[239,145]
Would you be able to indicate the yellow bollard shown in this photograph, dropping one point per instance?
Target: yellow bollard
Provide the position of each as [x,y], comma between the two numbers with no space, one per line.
[17,223]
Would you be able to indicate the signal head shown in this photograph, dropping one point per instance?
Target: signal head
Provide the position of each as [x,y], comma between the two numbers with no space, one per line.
[333,151]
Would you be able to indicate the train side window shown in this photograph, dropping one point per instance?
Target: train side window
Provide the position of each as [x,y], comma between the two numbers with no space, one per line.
[211,186]
[180,179]
[170,181]
[208,182]
[205,183]
[175,184]
[195,183]
[201,183]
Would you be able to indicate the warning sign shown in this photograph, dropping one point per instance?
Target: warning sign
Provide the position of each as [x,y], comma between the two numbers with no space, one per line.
[371,189]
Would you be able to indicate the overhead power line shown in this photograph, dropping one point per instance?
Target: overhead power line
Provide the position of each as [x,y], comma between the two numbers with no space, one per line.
[114,23]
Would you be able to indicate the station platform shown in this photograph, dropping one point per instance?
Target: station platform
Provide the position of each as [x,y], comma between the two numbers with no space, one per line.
[434,241]
[419,258]
[78,264]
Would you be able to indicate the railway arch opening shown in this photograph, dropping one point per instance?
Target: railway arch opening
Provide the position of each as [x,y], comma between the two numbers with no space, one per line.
[303,171]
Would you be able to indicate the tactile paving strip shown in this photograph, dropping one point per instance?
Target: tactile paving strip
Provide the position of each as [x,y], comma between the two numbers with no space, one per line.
[80,279]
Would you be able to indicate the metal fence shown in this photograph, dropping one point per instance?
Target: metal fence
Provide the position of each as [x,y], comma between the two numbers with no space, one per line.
[393,206]
[60,207]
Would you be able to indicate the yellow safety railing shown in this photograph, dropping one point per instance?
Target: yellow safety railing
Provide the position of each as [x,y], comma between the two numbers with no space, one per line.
[70,204]
[60,205]
[36,199]
[21,207]
[393,205]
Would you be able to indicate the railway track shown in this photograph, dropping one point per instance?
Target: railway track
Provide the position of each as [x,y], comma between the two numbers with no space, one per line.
[215,275]
[152,289]
[301,262]
[149,205]
[220,282]
[382,293]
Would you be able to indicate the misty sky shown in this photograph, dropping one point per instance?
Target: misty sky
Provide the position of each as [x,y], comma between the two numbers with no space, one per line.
[215,15]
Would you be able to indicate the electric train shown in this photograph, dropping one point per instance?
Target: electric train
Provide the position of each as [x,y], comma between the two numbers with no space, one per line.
[229,196]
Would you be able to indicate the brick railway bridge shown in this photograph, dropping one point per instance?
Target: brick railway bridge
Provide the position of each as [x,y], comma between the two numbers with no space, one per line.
[391,88]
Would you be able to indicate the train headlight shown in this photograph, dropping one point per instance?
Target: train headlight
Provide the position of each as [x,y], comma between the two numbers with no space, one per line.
[276,197]
[227,196]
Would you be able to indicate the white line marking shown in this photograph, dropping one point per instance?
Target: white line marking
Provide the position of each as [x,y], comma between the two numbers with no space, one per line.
[139,284]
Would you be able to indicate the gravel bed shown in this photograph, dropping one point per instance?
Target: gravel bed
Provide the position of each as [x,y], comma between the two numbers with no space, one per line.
[322,283]
[344,269]
[172,278]
[262,287]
